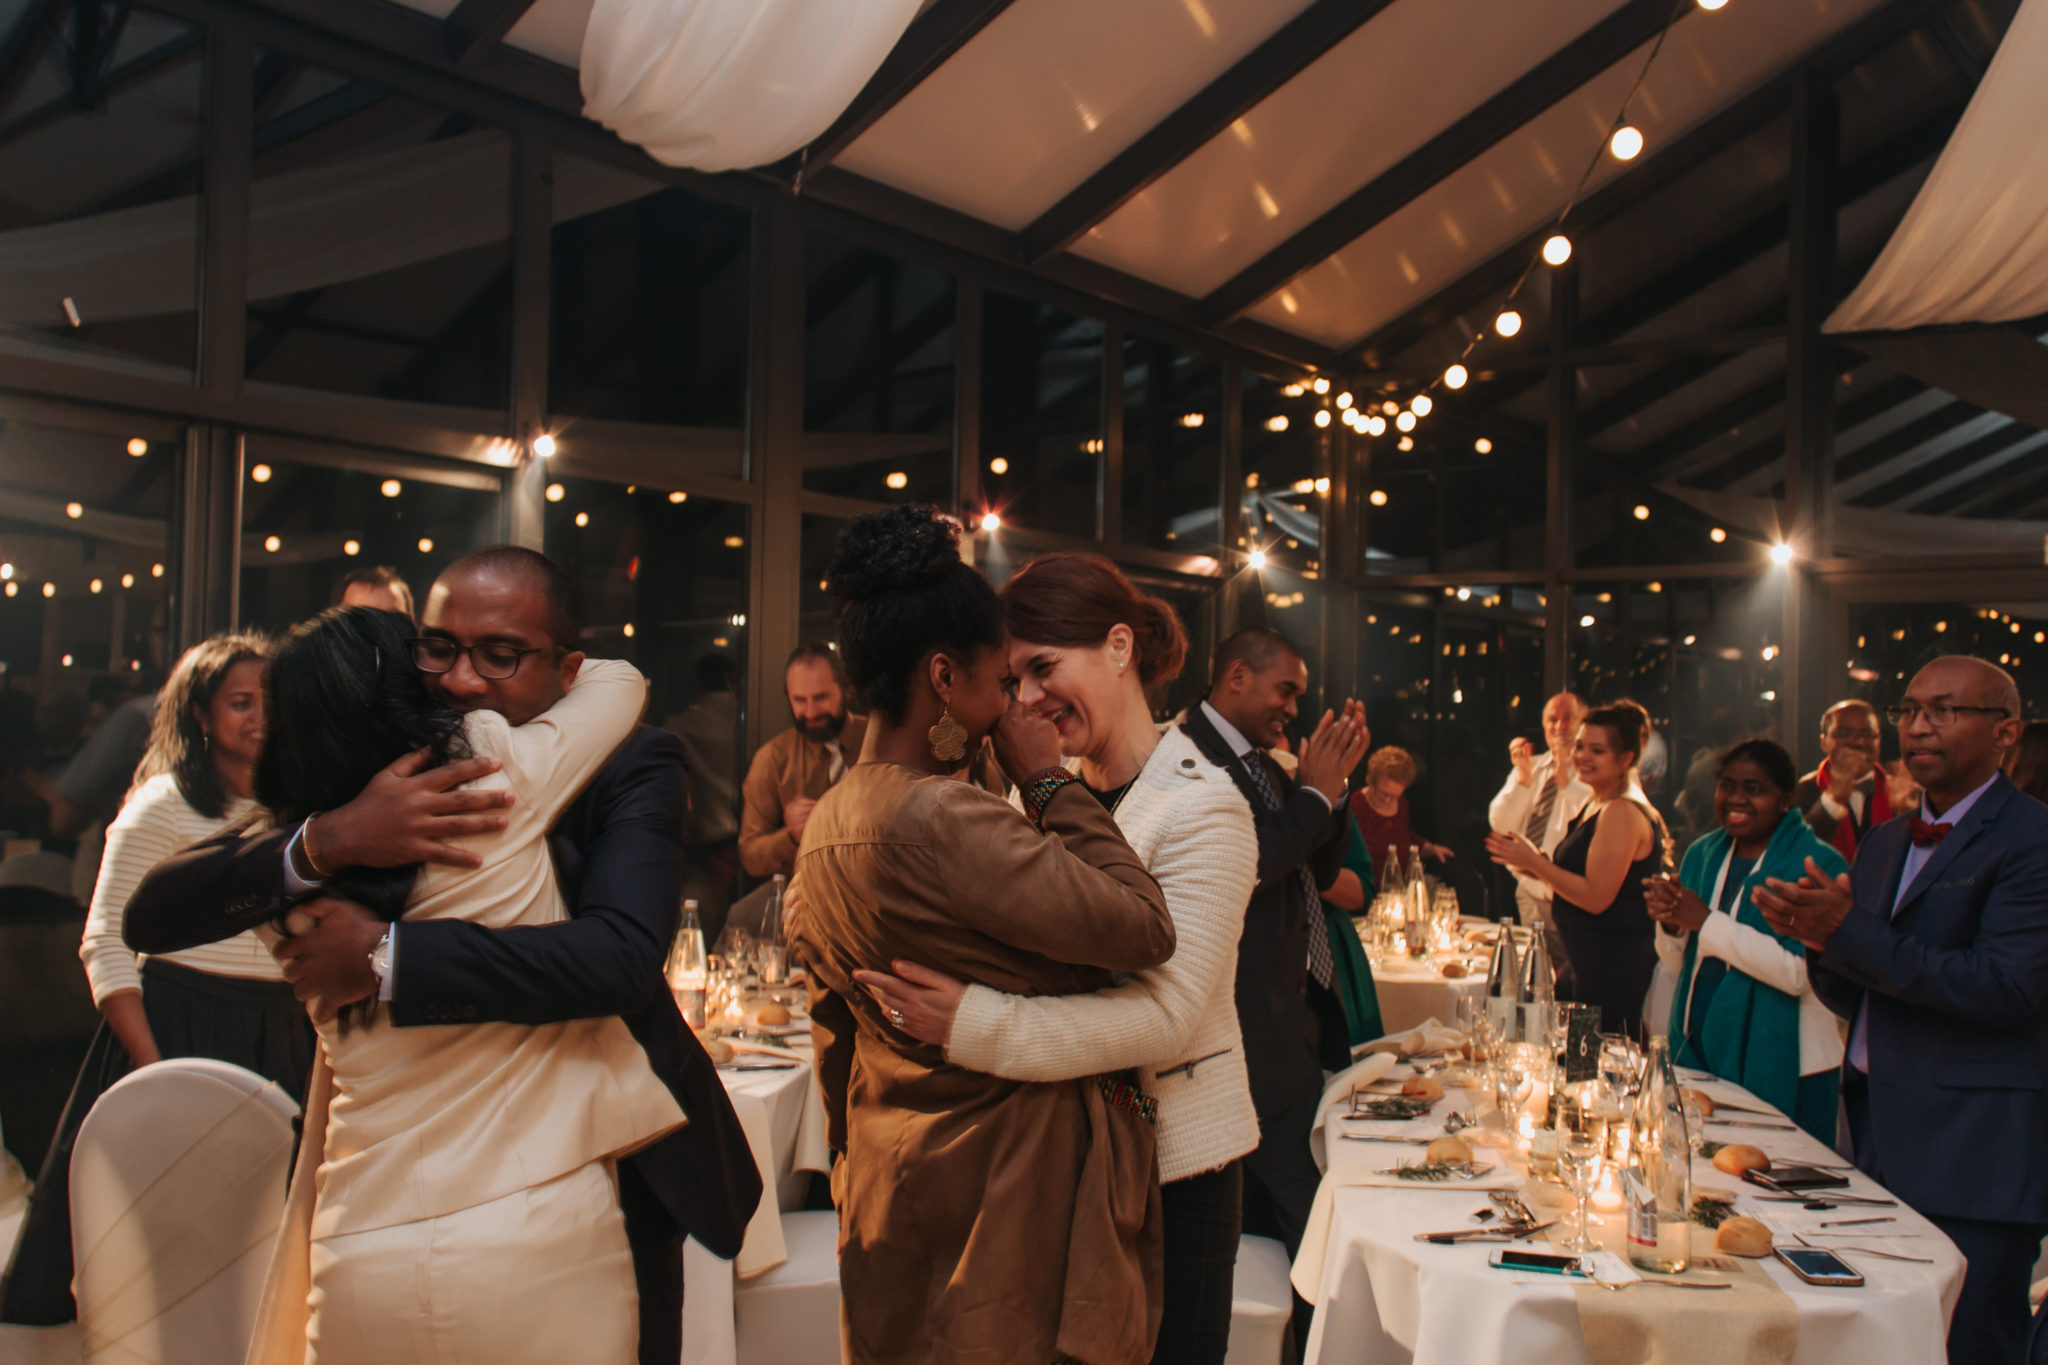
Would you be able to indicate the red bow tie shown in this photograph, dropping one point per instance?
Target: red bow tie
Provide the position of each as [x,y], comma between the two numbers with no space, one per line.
[1926,835]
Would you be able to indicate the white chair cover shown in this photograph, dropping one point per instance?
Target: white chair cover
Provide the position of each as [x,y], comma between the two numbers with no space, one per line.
[1261,1303]
[791,1313]
[177,1187]
[719,85]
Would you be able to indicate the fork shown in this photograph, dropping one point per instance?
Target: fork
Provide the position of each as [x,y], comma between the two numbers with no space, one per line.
[1867,1251]
[1618,1285]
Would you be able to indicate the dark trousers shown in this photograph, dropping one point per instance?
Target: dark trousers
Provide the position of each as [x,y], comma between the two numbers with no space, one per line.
[657,1245]
[1280,1180]
[1200,1216]
[1990,1324]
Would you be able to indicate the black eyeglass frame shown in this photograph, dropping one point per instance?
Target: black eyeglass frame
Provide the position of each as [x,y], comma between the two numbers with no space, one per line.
[1903,715]
[416,643]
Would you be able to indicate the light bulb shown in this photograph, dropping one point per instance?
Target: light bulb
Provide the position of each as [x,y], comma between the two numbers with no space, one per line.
[1455,377]
[1378,498]
[49,589]
[1642,512]
[272,544]
[127,580]
[1585,620]
[1256,559]
[260,473]
[999,465]
[1406,421]
[1558,249]
[991,522]
[351,547]
[138,447]
[94,586]
[1407,443]
[583,518]
[897,479]
[426,545]
[1321,385]
[1344,400]
[1376,425]
[1191,420]
[678,497]
[1483,446]
[74,510]
[391,488]
[1717,535]
[156,571]
[543,445]
[1278,423]
[1390,407]
[1421,406]
[1627,143]
[1781,554]
[1508,323]
[556,492]
[1322,417]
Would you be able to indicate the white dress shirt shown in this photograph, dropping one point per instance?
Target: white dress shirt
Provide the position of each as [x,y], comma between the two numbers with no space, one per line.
[1508,813]
[1242,747]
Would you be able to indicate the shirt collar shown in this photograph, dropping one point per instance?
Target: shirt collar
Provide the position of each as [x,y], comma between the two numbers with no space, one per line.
[1954,814]
[1234,737]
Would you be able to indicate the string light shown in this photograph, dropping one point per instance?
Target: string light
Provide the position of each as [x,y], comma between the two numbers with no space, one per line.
[1483,446]
[999,465]
[991,522]
[351,547]
[260,473]
[74,510]
[1321,385]
[583,518]
[1407,443]
[1344,400]
[1455,377]
[556,492]
[1717,535]
[733,542]
[1558,249]
[13,587]
[1390,407]
[127,580]
[6,571]
[543,445]
[629,630]
[1322,417]
[426,545]
[272,544]
[1376,425]
[1627,143]
[1711,5]
[1781,554]
[1406,421]
[1508,323]
[1256,559]
[156,571]
[1191,420]
[1421,406]
[137,447]
[1378,498]
[678,497]
[49,589]
[391,488]
[94,586]
[1642,512]
[897,479]
[1277,423]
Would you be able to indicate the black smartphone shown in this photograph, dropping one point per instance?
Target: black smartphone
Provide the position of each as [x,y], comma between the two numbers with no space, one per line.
[1542,1262]
[1817,1265]
[1795,1178]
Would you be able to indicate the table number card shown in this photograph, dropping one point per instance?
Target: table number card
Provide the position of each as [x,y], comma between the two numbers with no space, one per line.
[1582,1045]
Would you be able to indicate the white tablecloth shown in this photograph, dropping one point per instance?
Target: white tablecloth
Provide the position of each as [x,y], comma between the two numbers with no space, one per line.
[784,1118]
[1383,1298]
[1411,991]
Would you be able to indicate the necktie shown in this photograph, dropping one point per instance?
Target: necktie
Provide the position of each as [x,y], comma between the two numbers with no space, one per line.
[1321,965]
[1926,835]
[1538,828]
[835,767]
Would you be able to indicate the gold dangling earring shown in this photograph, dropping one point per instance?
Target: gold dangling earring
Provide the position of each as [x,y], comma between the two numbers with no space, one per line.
[948,738]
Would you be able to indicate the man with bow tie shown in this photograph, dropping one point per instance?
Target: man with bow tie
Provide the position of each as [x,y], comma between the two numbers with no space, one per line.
[1935,947]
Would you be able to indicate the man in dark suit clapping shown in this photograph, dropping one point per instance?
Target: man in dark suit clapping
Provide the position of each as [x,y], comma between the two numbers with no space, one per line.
[501,631]
[1935,947]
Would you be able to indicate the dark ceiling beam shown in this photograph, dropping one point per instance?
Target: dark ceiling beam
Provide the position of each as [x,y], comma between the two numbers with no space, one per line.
[1972,464]
[1305,39]
[1938,436]
[474,27]
[1661,168]
[164,57]
[1998,495]
[1592,52]
[26,42]
[932,38]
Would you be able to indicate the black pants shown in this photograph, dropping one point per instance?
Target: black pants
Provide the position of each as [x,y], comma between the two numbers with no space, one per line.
[1280,1181]
[1991,1317]
[657,1245]
[253,1024]
[1201,1216]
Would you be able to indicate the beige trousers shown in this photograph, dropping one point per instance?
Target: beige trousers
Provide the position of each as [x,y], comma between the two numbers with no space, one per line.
[542,1276]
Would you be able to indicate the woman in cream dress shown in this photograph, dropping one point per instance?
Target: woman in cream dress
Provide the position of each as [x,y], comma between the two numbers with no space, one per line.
[454,1200]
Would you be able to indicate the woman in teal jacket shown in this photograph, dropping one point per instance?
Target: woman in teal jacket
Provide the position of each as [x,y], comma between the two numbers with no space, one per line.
[1744,1010]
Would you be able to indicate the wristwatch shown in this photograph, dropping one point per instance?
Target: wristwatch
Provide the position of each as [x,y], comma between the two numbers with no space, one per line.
[380,959]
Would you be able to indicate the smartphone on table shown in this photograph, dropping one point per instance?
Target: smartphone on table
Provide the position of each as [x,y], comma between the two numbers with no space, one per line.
[1817,1265]
[1542,1262]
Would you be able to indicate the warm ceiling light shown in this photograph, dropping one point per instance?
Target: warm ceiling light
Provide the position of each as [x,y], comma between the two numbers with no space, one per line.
[426,545]
[94,586]
[6,571]
[678,497]
[1558,249]
[556,492]
[1191,420]
[1585,620]
[1322,417]
[1378,498]
[1407,443]
[1655,586]
[1781,554]
[733,542]
[351,547]
[1690,638]
[1344,399]
[1508,323]
[1321,385]
[74,510]
[1483,446]
[1323,486]
[1642,512]
[391,488]
[1717,535]
[1256,559]
[629,630]
[543,445]
[1304,485]
[583,518]
[49,589]
[1376,425]
[272,544]
[1406,421]
[66,661]
[137,447]
[260,473]
[12,587]
[1421,406]
[1627,143]
[1455,377]
[999,465]
[897,479]
[1390,407]
[991,522]
[1295,390]
[1712,4]
[127,580]
[156,571]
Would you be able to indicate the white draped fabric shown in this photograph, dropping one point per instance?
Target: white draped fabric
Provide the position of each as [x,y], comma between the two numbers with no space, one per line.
[1974,245]
[719,85]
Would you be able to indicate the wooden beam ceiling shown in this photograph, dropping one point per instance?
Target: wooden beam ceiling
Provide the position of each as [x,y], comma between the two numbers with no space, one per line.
[932,37]
[474,27]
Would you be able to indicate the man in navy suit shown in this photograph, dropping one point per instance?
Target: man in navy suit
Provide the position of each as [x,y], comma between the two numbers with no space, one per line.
[506,626]
[1935,947]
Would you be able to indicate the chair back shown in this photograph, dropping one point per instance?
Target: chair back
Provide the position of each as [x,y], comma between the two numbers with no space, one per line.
[177,1188]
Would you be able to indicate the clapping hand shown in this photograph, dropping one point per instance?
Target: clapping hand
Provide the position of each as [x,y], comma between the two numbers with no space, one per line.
[1334,751]
[1513,850]
[1810,909]
[1522,754]
[1674,905]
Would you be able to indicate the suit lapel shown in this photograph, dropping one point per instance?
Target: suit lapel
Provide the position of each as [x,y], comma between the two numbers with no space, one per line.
[1203,732]
[1949,849]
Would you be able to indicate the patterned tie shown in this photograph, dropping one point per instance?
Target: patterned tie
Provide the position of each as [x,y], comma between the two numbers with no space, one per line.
[1538,828]
[1321,965]
[1926,835]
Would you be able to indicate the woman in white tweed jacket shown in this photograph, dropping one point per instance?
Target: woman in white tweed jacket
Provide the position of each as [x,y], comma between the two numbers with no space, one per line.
[1086,647]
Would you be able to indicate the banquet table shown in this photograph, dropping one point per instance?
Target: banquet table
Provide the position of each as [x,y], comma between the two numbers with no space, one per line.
[1412,990]
[784,1118]
[1385,1299]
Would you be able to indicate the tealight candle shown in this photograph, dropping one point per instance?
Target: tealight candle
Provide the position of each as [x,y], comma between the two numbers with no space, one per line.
[1607,1197]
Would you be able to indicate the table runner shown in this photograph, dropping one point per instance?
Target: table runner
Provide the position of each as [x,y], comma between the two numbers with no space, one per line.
[1755,1322]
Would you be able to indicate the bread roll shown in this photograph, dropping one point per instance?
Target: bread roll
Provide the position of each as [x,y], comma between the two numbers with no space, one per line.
[1453,969]
[1742,1236]
[1422,1088]
[772,1014]
[1701,1100]
[721,1051]
[1738,1157]
[1448,1149]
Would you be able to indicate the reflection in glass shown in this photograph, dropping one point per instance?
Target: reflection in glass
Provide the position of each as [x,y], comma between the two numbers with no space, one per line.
[1041,416]
[1173,447]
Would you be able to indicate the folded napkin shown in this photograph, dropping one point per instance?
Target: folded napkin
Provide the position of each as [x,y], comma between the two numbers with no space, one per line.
[1338,1091]
[1756,1322]
[1428,1036]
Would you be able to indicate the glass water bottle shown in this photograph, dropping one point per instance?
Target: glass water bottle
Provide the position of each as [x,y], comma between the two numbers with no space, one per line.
[1657,1184]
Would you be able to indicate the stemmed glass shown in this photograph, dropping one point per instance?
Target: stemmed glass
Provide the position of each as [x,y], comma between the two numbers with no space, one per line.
[1582,1146]
[1620,1065]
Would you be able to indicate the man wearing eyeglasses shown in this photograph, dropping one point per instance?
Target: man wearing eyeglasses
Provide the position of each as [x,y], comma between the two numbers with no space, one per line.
[1935,946]
[501,631]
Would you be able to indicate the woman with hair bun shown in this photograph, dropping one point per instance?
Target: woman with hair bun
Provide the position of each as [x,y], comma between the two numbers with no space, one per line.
[982,1219]
[1086,647]
[1599,868]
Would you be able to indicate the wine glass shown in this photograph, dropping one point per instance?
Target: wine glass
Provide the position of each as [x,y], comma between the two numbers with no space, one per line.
[1582,1146]
[1619,1065]
[1695,1122]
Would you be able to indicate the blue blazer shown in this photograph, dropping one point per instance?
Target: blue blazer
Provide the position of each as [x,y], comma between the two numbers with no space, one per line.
[1957,985]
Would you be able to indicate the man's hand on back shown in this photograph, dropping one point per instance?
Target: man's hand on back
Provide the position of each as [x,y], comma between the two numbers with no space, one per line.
[328,963]
[406,814]
[796,814]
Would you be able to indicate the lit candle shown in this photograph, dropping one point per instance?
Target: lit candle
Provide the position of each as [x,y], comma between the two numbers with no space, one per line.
[1607,1197]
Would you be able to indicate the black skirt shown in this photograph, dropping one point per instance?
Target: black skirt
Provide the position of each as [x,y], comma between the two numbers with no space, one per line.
[258,1025]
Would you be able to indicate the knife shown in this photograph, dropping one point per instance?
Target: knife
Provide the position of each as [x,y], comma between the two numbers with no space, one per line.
[1749,1123]
[1513,1233]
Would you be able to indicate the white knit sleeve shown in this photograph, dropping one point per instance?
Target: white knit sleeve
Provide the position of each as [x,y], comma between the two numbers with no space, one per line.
[143,835]
[1206,865]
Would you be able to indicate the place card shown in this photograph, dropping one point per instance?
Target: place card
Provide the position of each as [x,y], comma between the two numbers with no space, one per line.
[1582,1045]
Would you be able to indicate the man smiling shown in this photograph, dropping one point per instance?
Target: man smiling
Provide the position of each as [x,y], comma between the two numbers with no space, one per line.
[1936,947]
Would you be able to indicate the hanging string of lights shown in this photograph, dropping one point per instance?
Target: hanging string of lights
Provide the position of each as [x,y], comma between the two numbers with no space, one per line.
[1624,142]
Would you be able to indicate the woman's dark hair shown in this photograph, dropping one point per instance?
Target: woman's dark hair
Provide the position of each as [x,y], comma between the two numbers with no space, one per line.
[904,594]
[343,700]
[2027,765]
[1074,599]
[1629,723]
[1769,755]
[177,740]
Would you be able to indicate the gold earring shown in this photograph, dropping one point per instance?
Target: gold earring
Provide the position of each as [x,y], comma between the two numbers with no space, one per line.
[948,738]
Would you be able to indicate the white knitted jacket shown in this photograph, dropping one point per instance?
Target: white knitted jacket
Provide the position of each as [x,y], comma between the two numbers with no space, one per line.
[1191,826]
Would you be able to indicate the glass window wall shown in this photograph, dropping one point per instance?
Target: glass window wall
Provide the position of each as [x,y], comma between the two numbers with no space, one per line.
[1041,415]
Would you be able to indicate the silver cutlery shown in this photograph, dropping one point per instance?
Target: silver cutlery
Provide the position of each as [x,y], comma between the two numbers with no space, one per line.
[1749,1123]
[1619,1285]
[1511,1232]
[1868,1251]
